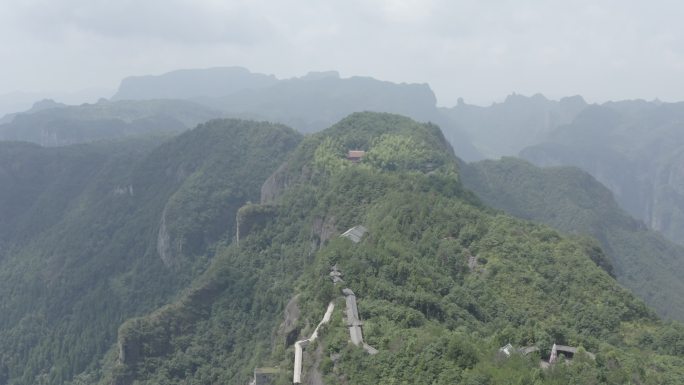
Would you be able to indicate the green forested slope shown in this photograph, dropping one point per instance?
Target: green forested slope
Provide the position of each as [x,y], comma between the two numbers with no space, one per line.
[433,318]
[101,232]
[573,201]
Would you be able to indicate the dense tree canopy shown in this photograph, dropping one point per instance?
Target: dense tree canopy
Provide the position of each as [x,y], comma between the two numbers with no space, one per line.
[442,282]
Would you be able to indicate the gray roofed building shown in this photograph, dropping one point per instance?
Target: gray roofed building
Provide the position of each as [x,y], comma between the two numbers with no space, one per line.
[355,233]
[355,155]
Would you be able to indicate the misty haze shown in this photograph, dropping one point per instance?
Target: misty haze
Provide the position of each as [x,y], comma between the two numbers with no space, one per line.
[341,192]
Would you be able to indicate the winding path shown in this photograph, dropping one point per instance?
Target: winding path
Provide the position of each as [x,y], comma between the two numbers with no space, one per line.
[354,323]
[299,345]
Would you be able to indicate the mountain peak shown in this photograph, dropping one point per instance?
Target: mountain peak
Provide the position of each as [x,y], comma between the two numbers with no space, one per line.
[317,75]
[45,104]
[192,83]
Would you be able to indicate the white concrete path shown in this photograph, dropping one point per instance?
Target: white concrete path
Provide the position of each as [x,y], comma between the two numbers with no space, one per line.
[299,345]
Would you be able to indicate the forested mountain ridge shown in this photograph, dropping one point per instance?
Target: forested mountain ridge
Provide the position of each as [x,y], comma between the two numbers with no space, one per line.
[100,232]
[53,124]
[572,201]
[40,105]
[442,282]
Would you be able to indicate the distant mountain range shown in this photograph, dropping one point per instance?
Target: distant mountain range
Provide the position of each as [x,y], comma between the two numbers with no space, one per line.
[504,129]
[636,149]
[633,147]
[309,103]
[21,101]
[54,124]
[192,84]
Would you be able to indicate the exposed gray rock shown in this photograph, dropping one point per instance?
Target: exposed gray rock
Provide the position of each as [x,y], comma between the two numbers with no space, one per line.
[275,185]
[324,228]
[164,241]
[288,328]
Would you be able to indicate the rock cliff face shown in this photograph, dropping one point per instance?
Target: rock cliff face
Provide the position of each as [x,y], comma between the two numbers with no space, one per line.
[650,188]
[275,185]
[634,149]
[324,229]
[164,241]
[280,180]
[665,210]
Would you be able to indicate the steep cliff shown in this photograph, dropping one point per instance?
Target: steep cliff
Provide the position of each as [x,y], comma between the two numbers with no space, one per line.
[635,149]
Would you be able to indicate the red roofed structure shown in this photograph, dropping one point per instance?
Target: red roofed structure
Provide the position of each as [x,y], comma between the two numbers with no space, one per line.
[355,155]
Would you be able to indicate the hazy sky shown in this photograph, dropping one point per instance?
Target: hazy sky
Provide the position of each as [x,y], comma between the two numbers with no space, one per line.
[479,50]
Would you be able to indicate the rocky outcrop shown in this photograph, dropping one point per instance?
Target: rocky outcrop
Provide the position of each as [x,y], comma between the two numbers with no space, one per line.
[124,190]
[288,329]
[647,187]
[275,185]
[250,217]
[632,147]
[324,229]
[164,248]
[314,375]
